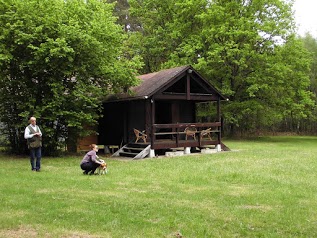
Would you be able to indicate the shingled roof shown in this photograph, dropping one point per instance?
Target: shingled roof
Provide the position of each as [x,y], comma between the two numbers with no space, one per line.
[153,82]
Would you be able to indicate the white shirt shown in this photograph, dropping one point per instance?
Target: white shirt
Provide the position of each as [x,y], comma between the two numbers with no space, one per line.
[27,132]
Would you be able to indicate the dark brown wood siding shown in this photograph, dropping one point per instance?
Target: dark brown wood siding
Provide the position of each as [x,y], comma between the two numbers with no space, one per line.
[119,119]
[113,124]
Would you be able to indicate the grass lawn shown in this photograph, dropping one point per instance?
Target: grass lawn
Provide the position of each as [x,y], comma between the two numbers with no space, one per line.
[263,188]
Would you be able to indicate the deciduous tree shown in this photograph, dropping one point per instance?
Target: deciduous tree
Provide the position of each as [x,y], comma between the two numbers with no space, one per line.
[58,59]
[241,46]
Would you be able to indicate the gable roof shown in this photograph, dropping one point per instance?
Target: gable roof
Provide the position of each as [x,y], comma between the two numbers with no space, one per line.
[154,82]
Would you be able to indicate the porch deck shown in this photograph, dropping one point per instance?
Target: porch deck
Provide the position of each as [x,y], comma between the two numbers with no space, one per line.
[170,143]
[166,136]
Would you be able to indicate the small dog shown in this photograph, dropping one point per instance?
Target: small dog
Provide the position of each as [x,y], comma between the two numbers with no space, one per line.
[103,168]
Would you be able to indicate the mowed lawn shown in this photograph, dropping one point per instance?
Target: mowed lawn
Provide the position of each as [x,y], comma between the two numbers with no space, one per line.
[265,187]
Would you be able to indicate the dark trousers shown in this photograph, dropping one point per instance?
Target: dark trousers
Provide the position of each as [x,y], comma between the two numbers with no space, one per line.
[35,158]
[89,167]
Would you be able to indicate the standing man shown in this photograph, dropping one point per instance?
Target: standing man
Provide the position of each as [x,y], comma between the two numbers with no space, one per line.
[33,135]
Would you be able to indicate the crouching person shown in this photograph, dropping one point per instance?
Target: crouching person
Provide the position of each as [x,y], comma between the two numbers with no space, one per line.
[90,161]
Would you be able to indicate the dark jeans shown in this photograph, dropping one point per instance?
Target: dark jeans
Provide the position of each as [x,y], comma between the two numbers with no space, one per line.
[35,155]
[91,166]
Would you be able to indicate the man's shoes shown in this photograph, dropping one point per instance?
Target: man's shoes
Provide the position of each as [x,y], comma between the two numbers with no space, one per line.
[34,170]
[38,170]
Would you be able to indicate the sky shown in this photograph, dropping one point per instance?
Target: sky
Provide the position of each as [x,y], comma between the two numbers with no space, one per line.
[306,16]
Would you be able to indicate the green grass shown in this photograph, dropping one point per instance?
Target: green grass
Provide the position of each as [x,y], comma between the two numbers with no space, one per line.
[266,187]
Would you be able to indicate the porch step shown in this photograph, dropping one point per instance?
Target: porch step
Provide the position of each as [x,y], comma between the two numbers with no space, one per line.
[133,150]
[128,154]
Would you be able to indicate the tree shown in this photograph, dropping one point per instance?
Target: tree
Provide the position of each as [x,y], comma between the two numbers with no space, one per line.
[238,45]
[289,69]
[121,11]
[156,36]
[58,60]
[310,44]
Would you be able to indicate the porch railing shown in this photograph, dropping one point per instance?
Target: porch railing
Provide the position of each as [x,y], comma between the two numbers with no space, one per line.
[173,135]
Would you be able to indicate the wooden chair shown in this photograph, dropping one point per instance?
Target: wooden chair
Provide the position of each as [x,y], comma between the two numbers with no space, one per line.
[190,131]
[139,135]
[205,133]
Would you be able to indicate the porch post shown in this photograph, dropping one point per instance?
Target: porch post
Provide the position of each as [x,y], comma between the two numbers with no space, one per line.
[188,86]
[152,152]
[219,120]
[148,121]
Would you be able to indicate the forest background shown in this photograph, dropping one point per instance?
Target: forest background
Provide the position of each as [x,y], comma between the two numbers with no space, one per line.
[60,59]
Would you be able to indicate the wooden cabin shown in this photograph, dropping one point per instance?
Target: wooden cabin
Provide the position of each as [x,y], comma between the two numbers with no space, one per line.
[163,107]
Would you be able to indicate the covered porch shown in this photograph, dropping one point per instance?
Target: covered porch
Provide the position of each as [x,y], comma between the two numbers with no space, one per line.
[197,135]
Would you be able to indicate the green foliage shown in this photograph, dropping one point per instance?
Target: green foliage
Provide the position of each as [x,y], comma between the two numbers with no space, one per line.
[121,11]
[246,48]
[310,43]
[58,60]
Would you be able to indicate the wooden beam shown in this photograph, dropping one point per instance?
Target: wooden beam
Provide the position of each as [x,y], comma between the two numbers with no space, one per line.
[148,117]
[184,125]
[180,96]
[219,119]
[188,86]
[152,122]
